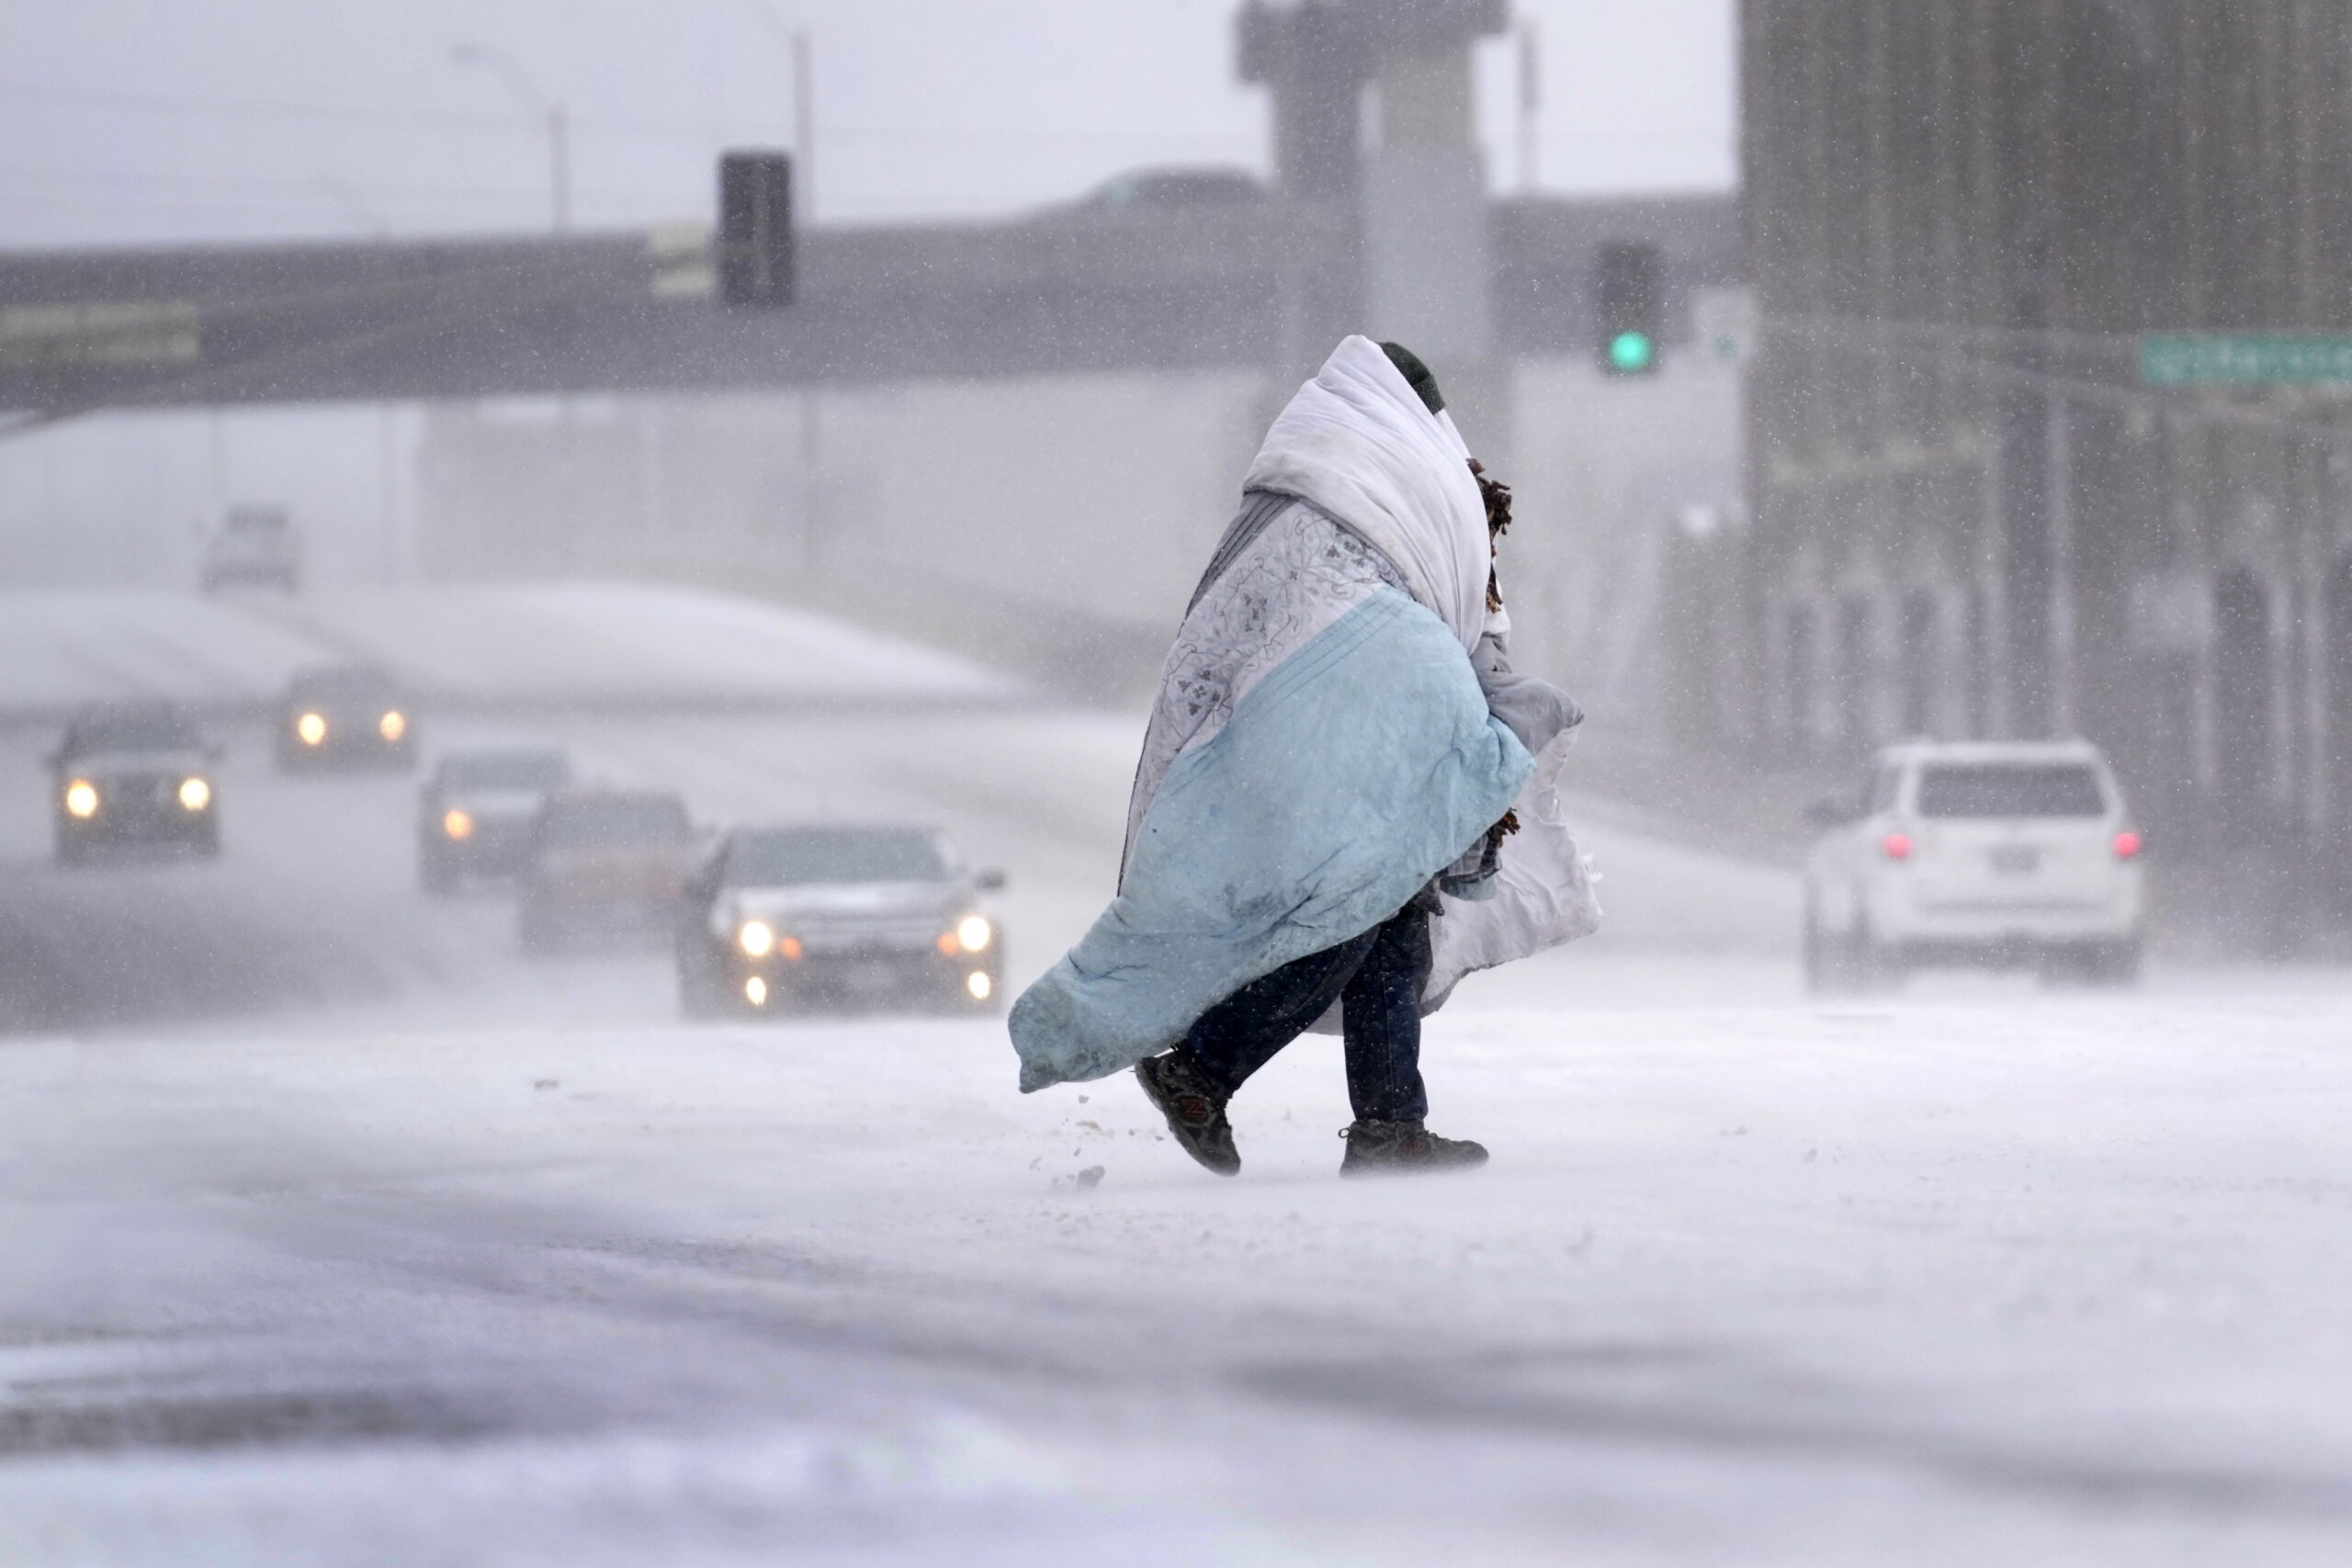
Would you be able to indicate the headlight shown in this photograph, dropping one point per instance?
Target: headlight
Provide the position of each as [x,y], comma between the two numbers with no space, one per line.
[755,991]
[392,726]
[979,985]
[195,794]
[82,798]
[312,728]
[458,824]
[973,933]
[757,938]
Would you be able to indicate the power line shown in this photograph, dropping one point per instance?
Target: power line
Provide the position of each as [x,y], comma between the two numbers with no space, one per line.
[1865,335]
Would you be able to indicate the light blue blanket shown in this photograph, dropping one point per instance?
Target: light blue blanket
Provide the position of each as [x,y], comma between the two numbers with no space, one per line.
[1343,782]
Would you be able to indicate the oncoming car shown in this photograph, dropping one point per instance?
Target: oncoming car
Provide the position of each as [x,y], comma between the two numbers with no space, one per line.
[601,864]
[256,546]
[785,918]
[474,813]
[133,774]
[350,715]
[1989,855]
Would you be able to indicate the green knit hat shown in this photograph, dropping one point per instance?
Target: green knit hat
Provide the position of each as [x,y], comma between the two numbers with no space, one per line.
[1409,366]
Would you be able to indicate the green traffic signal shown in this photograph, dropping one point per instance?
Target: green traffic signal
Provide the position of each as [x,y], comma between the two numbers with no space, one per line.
[1628,306]
[1630,353]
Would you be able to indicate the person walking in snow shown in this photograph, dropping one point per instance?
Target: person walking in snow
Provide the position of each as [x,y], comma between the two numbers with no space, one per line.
[1340,759]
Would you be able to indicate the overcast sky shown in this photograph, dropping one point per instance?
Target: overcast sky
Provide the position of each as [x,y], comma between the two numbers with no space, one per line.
[136,121]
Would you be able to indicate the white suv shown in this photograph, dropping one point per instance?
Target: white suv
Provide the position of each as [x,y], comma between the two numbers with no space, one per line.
[1989,853]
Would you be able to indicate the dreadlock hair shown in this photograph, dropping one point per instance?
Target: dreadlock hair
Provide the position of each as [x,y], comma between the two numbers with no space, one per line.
[1497,495]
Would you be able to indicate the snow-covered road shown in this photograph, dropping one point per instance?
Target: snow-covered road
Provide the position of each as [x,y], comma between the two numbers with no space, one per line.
[503,645]
[331,1231]
[1948,1281]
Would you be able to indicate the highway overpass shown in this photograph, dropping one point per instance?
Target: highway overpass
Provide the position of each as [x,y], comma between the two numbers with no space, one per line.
[1261,285]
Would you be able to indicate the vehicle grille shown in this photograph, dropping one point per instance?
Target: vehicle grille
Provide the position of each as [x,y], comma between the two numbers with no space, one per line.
[896,933]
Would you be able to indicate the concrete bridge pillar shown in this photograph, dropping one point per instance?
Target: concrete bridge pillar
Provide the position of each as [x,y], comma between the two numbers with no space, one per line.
[1415,199]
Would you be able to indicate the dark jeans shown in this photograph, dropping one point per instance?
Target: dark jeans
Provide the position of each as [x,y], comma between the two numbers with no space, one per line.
[1377,979]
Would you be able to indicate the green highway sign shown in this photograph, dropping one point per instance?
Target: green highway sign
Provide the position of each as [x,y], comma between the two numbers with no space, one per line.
[2243,359]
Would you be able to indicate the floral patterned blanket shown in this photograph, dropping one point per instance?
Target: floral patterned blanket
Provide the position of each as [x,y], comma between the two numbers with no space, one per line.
[1320,747]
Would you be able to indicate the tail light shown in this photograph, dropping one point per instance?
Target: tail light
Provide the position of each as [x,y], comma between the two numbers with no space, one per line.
[1896,846]
[2128,845]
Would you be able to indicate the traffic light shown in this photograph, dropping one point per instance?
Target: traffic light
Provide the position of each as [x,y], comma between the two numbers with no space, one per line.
[1628,305]
[755,251]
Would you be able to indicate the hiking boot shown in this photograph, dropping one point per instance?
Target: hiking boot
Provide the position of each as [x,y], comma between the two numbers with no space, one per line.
[1405,1148]
[1196,1110]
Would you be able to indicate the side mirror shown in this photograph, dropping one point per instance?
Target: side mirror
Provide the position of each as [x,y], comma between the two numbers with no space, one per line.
[1828,812]
[989,881]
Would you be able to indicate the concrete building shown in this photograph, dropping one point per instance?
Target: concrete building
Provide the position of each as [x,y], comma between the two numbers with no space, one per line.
[1983,502]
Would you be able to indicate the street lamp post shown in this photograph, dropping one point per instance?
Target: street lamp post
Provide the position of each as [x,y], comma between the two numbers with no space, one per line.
[804,107]
[558,122]
[804,122]
[1530,91]
[397,558]
[804,206]
[518,82]
[560,157]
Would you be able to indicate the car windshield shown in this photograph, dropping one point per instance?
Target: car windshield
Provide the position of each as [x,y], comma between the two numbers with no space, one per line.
[2012,789]
[133,730]
[617,821]
[507,769]
[356,687]
[834,854]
